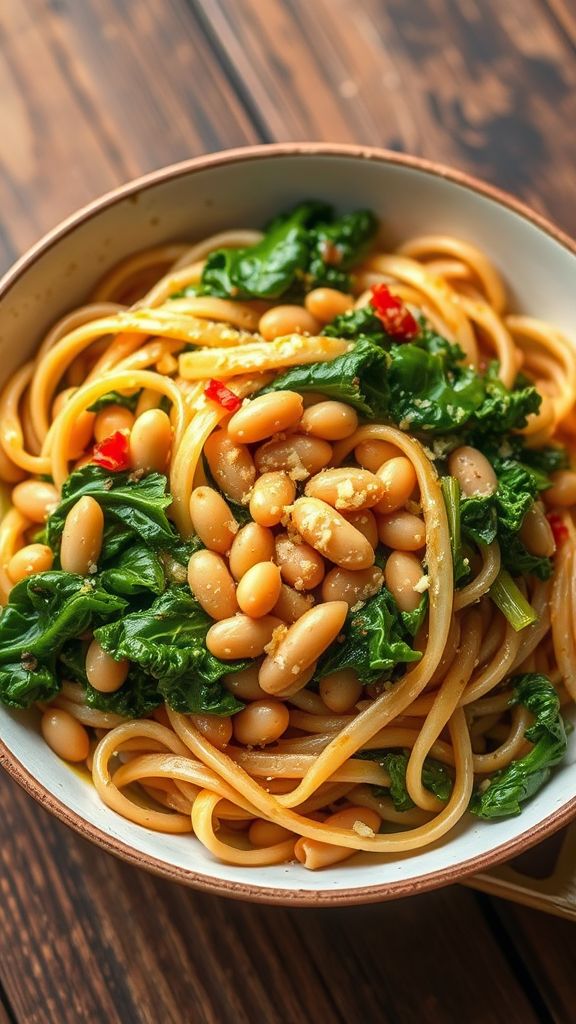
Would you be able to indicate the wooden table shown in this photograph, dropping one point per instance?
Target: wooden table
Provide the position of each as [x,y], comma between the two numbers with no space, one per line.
[94,92]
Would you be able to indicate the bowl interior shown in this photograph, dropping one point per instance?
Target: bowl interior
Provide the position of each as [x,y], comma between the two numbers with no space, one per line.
[243,192]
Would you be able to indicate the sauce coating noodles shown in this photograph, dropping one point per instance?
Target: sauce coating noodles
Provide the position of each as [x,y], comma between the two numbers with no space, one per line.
[288,775]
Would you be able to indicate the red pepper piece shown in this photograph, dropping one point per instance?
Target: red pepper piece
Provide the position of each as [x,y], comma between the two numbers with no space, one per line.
[396,318]
[113,453]
[558,527]
[218,392]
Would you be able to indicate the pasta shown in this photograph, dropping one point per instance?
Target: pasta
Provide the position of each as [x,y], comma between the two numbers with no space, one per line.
[288,556]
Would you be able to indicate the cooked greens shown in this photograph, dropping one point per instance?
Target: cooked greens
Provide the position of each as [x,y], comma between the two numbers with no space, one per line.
[115,398]
[44,612]
[375,641]
[505,793]
[134,508]
[168,640]
[423,386]
[302,249]
[137,569]
[357,377]
[157,623]
[136,697]
[435,777]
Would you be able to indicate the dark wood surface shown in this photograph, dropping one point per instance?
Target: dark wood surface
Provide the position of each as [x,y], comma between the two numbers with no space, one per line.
[93,92]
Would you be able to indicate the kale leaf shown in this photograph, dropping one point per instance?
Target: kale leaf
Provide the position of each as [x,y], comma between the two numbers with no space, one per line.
[543,461]
[435,777]
[479,519]
[336,246]
[357,324]
[500,515]
[412,621]
[47,609]
[521,562]
[129,503]
[516,491]
[136,569]
[521,779]
[137,696]
[504,409]
[430,392]
[43,612]
[375,642]
[301,249]
[168,640]
[357,377]
[25,681]
[115,398]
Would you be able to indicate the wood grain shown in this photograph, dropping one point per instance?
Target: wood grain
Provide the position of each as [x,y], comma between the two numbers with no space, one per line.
[488,87]
[5,1013]
[84,937]
[547,947]
[98,91]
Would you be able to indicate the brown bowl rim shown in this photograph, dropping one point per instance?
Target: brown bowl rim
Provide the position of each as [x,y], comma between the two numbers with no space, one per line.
[245,890]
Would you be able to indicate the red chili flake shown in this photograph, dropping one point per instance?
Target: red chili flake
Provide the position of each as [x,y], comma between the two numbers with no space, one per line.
[218,392]
[558,527]
[113,453]
[396,318]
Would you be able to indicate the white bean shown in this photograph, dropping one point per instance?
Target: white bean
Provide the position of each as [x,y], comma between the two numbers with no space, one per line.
[82,537]
[301,646]
[328,532]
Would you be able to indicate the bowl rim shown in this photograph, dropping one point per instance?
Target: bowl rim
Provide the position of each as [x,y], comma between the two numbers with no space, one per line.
[245,890]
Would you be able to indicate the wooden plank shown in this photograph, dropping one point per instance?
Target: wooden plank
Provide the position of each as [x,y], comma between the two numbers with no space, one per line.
[84,937]
[546,945]
[564,16]
[5,1014]
[487,87]
[96,93]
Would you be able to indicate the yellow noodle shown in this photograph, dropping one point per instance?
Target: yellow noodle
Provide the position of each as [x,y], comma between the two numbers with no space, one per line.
[465,253]
[500,338]
[12,529]
[444,706]
[117,278]
[259,356]
[513,746]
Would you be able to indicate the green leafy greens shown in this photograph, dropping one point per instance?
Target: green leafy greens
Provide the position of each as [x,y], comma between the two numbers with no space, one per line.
[115,398]
[137,696]
[521,779]
[300,250]
[435,777]
[357,377]
[376,640]
[44,612]
[168,640]
[133,507]
[131,597]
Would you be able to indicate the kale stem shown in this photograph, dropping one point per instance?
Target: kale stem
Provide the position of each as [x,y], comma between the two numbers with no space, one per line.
[451,494]
[511,601]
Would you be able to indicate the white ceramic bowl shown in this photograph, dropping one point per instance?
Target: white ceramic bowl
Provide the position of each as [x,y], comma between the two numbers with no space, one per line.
[243,188]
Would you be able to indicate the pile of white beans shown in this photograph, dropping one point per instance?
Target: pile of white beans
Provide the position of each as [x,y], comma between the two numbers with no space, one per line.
[280,587]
